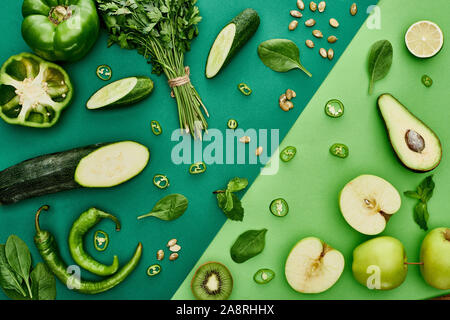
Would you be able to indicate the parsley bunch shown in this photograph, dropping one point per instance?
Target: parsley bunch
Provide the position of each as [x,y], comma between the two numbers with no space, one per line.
[162,31]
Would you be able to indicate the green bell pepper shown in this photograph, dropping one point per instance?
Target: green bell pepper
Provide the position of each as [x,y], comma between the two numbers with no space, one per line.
[60,30]
[33,92]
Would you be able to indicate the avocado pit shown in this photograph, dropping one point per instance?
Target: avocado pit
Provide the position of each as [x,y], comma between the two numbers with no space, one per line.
[414,141]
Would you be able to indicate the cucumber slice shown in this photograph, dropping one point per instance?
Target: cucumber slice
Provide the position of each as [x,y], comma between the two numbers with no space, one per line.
[112,165]
[230,40]
[121,92]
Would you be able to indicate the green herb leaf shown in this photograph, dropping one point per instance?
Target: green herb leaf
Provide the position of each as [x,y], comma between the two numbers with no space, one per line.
[421,215]
[248,245]
[426,188]
[8,278]
[19,258]
[237,184]
[412,194]
[43,283]
[424,193]
[168,208]
[380,61]
[281,55]
[237,212]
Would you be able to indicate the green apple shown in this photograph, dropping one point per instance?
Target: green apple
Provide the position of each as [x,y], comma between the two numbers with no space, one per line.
[380,263]
[435,255]
[313,266]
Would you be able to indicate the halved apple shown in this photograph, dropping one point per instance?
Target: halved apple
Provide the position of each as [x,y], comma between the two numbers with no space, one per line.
[313,266]
[367,202]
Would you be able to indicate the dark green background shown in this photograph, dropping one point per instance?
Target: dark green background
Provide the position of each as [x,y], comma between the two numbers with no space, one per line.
[78,127]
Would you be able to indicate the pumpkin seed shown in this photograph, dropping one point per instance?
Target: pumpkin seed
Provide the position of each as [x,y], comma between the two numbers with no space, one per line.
[173,256]
[332,39]
[310,22]
[334,23]
[160,255]
[296,14]
[330,54]
[312,6]
[300,4]
[293,25]
[172,242]
[259,150]
[317,33]
[245,139]
[353,9]
[322,5]
[290,94]
[175,248]
[323,53]
[309,43]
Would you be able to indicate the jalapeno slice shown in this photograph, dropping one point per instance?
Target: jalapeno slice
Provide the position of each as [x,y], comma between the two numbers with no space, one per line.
[339,150]
[288,154]
[232,124]
[101,240]
[279,207]
[104,72]
[245,89]
[263,276]
[156,127]
[427,81]
[197,168]
[334,108]
[153,270]
[161,181]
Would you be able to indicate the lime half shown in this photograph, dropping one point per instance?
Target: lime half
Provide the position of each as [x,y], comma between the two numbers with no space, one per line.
[424,39]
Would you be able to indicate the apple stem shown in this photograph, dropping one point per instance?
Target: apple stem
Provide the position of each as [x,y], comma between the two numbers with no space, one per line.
[416,263]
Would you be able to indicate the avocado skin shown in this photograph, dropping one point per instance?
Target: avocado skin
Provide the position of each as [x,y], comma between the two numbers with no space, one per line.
[389,134]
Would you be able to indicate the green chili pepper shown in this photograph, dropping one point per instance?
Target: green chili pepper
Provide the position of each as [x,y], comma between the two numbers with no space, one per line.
[101,241]
[339,150]
[161,181]
[245,89]
[48,249]
[279,207]
[197,168]
[263,276]
[153,270]
[232,124]
[80,227]
[427,81]
[104,72]
[288,154]
[156,127]
[334,108]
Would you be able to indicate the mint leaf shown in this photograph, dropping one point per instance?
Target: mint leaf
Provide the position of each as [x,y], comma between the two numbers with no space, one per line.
[237,212]
[426,188]
[412,194]
[423,194]
[237,184]
[421,215]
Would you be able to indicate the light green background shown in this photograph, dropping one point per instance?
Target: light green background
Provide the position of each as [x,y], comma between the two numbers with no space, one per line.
[312,181]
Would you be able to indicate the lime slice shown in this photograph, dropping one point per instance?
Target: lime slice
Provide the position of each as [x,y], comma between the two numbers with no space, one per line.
[424,39]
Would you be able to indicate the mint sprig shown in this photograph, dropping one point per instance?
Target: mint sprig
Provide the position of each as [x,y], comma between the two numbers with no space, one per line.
[423,193]
[229,202]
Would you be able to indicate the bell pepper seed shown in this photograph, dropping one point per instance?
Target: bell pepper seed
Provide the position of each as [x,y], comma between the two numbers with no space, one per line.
[263,276]
[197,168]
[245,89]
[279,207]
[153,270]
[156,127]
[339,150]
[288,153]
[101,240]
[232,124]
[104,72]
[334,108]
[427,81]
[161,181]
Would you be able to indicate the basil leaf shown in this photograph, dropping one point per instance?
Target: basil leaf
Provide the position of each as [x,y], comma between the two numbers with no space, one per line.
[9,281]
[421,215]
[281,55]
[426,188]
[380,61]
[412,194]
[237,212]
[248,245]
[237,184]
[168,208]
[19,258]
[43,283]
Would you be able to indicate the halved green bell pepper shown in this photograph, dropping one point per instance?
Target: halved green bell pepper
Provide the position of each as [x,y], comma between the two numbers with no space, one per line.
[33,92]
[60,30]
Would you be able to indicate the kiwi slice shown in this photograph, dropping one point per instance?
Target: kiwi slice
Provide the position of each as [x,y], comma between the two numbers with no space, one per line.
[212,281]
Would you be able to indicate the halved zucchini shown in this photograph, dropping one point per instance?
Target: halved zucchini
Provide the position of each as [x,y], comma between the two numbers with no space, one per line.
[230,40]
[121,92]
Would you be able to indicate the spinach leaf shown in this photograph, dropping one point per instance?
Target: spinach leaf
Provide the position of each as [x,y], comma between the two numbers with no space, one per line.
[248,245]
[423,194]
[168,208]
[281,55]
[237,184]
[43,283]
[19,258]
[380,61]
[9,281]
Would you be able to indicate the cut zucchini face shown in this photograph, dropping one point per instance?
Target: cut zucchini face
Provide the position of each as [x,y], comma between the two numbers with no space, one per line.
[220,50]
[122,92]
[112,165]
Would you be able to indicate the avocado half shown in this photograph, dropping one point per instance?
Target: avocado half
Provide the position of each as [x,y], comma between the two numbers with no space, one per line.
[415,144]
